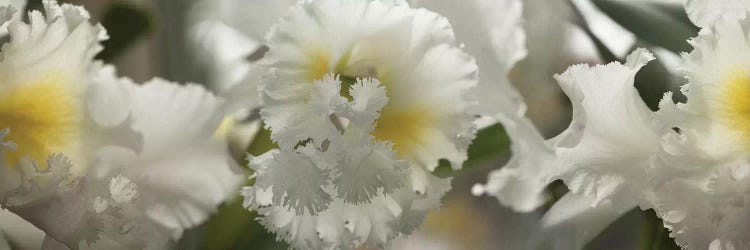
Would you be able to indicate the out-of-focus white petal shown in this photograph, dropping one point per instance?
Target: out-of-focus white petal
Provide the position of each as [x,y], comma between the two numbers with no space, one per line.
[109,102]
[522,182]
[706,13]
[187,172]
[227,35]
[19,231]
[491,31]
[573,222]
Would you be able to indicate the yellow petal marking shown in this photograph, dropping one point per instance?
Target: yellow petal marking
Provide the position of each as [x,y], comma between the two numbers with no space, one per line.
[43,118]
[317,64]
[405,128]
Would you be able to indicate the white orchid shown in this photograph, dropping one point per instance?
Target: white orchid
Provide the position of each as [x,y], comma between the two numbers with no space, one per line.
[429,109]
[96,161]
[700,176]
[687,161]
[364,99]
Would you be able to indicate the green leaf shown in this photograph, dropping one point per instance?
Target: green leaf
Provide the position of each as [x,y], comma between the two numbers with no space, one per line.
[652,81]
[655,23]
[655,236]
[235,228]
[491,143]
[262,142]
[125,24]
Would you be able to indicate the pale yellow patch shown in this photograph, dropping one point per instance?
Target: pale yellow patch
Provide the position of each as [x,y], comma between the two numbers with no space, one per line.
[734,108]
[405,128]
[43,117]
[224,128]
[317,64]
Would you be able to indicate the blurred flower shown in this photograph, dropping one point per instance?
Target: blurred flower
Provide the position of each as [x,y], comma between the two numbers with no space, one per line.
[96,161]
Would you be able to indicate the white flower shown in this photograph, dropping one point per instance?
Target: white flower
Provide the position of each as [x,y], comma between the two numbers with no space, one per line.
[355,192]
[700,175]
[364,99]
[411,52]
[688,161]
[96,161]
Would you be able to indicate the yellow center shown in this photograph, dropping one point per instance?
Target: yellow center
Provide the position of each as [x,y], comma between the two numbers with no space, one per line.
[405,127]
[317,64]
[42,116]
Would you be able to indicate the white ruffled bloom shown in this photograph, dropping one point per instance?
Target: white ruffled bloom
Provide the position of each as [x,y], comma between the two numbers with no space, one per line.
[364,99]
[688,161]
[96,161]
[701,174]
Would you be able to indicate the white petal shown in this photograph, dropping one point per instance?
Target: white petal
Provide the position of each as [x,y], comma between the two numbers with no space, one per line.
[572,222]
[292,123]
[521,184]
[122,189]
[186,172]
[366,171]
[297,182]
[602,157]
[491,31]
[109,100]
[706,13]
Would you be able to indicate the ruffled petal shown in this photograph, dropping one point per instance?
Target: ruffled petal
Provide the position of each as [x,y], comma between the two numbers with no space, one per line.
[602,157]
[295,179]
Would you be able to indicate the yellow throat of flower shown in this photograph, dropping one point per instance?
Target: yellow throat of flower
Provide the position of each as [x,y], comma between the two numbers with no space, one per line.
[406,127]
[43,117]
